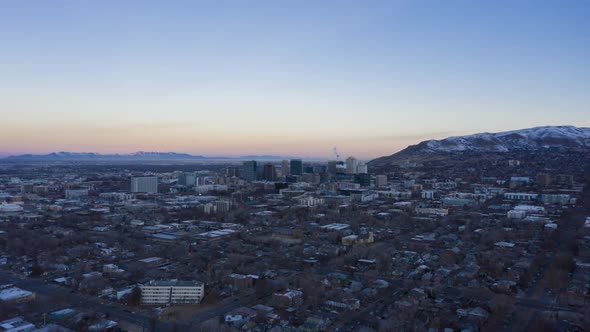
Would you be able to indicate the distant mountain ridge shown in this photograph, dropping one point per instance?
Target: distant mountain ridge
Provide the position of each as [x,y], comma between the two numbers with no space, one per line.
[140,155]
[531,139]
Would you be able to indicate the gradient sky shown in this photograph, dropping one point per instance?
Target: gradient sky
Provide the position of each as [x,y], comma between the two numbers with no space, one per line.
[285,77]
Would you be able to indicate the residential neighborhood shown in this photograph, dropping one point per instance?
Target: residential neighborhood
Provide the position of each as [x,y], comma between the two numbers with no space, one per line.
[299,246]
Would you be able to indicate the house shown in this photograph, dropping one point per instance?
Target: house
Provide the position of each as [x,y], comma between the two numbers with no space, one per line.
[9,293]
[432,211]
[288,298]
[152,261]
[349,304]
[315,324]
[505,245]
[16,324]
[240,281]
[355,239]
[111,268]
[335,227]
[103,325]
[240,314]
[53,328]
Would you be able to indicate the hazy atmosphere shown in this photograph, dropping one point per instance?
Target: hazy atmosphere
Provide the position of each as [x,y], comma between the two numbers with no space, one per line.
[298,78]
[295,166]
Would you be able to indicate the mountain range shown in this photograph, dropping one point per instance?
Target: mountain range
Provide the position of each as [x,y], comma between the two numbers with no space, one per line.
[141,155]
[530,139]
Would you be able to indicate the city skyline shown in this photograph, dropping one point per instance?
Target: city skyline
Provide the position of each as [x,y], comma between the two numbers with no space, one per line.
[280,79]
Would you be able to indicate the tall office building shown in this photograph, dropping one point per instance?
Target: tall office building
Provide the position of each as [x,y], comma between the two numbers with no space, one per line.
[249,170]
[144,184]
[351,165]
[364,179]
[285,168]
[187,179]
[232,171]
[362,168]
[296,167]
[268,172]
[320,169]
[336,167]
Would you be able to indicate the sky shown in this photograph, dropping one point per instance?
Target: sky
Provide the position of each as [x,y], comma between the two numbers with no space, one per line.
[285,77]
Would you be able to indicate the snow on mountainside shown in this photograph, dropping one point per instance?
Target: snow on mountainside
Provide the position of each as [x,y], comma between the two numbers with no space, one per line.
[524,139]
[532,139]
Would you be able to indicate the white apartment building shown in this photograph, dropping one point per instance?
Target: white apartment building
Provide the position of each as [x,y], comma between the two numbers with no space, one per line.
[520,196]
[310,201]
[172,292]
[351,165]
[362,168]
[114,196]
[144,184]
[76,193]
[222,206]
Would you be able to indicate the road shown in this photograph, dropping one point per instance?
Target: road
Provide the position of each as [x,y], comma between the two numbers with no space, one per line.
[542,305]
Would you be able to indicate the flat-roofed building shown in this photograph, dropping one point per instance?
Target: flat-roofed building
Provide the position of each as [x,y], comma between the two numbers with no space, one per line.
[76,193]
[153,261]
[335,227]
[520,196]
[172,292]
[381,180]
[288,298]
[16,324]
[144,184]
[9,293]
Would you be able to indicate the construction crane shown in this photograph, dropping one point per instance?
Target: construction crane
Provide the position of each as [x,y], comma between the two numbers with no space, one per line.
[336,153]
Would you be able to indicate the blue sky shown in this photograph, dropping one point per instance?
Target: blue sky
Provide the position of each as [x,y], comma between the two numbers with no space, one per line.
[285,77]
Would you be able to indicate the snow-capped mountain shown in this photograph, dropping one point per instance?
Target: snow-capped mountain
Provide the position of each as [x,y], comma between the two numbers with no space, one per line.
[531,139]
[140,155]
[91,155]
[563,137]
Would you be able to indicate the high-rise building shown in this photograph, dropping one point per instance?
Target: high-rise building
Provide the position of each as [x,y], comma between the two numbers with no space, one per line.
[362,168]
[232,171]
[187,179]
[144,184]
[285,168]
[311,178]
[351,165]
[364,179]
[268,172]
[249,170]
[336,167]
[296,167]
[320,169]
[381,180]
